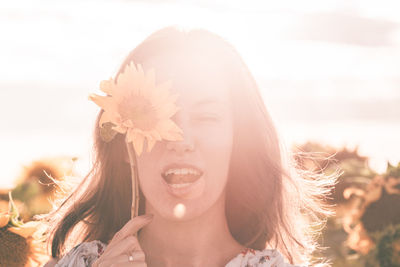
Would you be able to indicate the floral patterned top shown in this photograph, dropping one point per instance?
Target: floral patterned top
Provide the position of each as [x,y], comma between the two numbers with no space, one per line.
[86,253]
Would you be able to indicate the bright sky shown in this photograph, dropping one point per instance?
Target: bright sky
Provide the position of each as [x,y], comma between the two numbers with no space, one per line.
[328,70]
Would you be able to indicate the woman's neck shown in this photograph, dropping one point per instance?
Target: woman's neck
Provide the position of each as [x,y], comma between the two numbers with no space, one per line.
[203,241]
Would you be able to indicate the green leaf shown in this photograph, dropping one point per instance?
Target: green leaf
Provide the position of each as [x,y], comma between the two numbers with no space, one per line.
[14,214]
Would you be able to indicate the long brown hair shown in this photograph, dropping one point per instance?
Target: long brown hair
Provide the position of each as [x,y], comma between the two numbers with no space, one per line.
[267,203]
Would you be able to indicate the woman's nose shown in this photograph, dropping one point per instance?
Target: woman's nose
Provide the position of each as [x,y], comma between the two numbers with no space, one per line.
[186,145]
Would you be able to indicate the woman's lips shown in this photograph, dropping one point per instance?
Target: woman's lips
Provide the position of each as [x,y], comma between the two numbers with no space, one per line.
[180,165]
[185,186]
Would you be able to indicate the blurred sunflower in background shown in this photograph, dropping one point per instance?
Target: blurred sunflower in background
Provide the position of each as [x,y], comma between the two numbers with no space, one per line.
[365,232]
[37,184]
[21,244]
[354,171]
[374,227]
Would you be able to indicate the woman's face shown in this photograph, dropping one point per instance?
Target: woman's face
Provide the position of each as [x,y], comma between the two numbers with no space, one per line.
[206,120]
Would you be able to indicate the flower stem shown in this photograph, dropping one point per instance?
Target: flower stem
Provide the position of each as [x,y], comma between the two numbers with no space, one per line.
[135,181]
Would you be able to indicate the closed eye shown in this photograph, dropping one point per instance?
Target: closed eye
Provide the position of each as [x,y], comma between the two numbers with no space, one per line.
[207,117]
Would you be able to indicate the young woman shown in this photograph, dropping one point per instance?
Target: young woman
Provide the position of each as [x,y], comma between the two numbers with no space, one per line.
[219,196]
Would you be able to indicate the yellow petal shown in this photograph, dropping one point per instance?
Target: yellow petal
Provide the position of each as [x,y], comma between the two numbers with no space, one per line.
[107,86]
[155,135]
[128,123]
[26,230]
[132,66]
[124,85]
[150,143]
[161,94]
[37,254]
[123,78]
[140,69]
[167,110]
[105,102]
[137,140]
[150,79]
[140,81]
[120,129]
[169,130]
[129,136]
[138,144]
[4,218]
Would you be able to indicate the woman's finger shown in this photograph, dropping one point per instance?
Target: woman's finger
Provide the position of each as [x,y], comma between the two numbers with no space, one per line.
[138,256]
[131,227]
[126,245]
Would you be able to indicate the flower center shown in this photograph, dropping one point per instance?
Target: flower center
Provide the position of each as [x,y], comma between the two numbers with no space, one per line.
[140,111]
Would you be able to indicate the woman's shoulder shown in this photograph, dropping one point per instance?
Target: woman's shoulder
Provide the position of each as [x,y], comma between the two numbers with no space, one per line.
[82,255]
[259,258]
[51,263]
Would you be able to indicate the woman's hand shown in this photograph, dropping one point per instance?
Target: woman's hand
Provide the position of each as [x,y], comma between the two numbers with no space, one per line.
[124,249]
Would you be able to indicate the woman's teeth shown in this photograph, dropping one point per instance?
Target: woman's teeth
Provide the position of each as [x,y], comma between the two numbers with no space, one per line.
[183,171]
[183,176]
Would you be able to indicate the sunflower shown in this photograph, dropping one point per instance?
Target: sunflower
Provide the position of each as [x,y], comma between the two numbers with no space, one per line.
[374,225]
[137,107]
[20,243]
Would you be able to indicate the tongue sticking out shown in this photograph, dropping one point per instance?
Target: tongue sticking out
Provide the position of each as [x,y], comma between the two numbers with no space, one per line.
[181,178]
